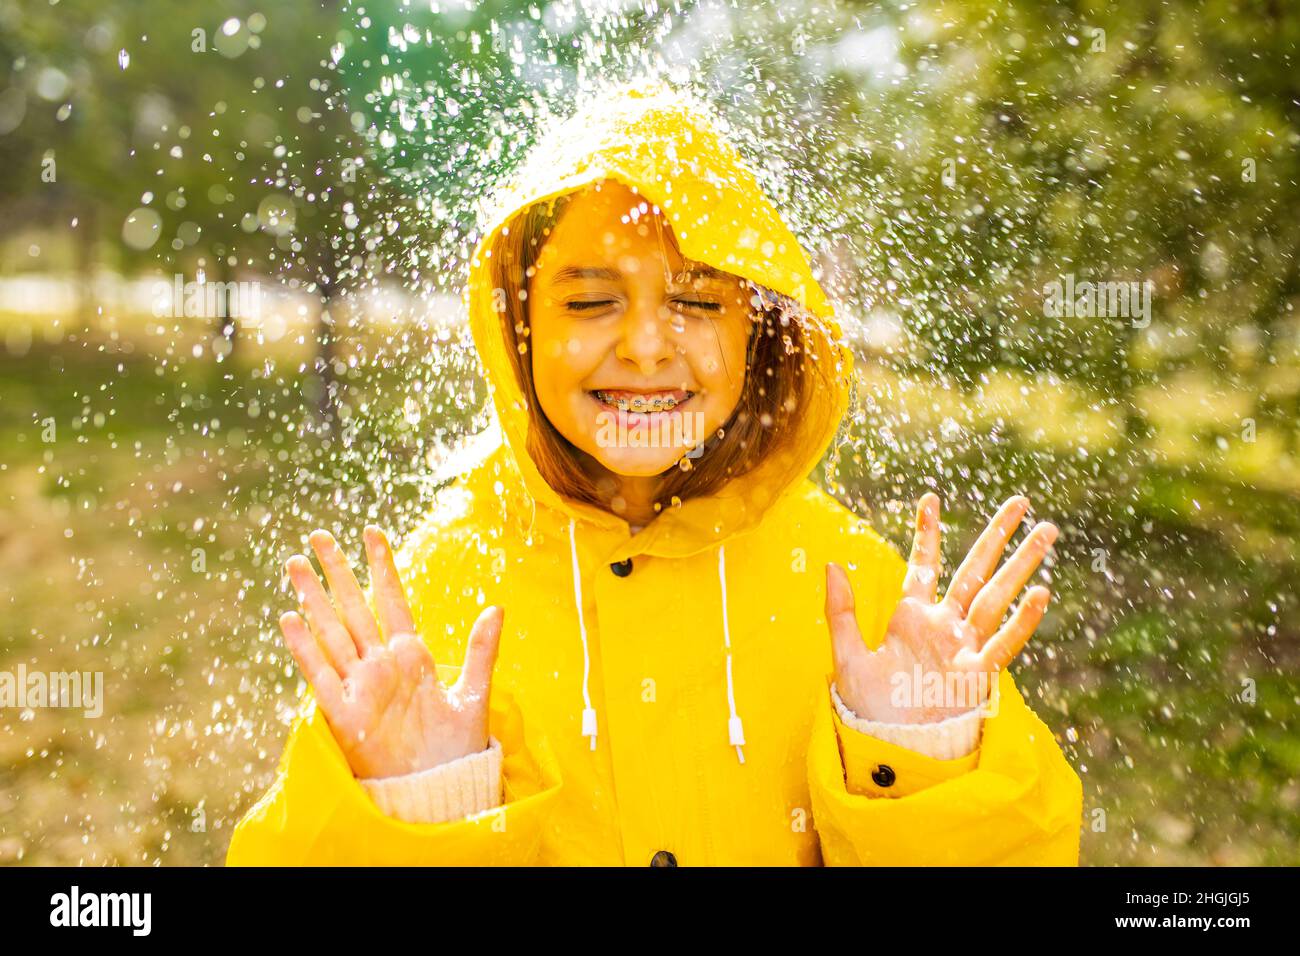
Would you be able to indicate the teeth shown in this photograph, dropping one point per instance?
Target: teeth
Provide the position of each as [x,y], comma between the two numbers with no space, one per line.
[659,403]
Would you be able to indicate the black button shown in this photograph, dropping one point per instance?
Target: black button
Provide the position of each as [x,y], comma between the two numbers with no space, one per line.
[884,775]
[622,568]
[663,858]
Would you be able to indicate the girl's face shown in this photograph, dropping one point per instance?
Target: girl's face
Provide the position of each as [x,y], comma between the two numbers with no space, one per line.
[637,353]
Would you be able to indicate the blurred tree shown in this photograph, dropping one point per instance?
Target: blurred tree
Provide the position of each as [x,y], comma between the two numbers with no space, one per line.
[198,144]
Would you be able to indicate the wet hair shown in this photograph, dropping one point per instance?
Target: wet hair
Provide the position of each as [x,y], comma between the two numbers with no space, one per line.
[776,380]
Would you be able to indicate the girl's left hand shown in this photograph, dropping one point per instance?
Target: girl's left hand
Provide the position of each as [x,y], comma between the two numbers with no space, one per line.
[957,636]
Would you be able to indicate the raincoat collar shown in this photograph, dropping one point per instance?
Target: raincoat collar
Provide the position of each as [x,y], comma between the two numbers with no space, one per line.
[668,148]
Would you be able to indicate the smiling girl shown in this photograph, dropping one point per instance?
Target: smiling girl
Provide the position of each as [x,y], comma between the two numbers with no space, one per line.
[677,649]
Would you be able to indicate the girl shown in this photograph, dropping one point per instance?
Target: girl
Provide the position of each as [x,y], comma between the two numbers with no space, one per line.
[676,647]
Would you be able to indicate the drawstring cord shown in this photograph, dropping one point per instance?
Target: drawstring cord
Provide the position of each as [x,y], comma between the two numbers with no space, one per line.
[735,729]
[588,712]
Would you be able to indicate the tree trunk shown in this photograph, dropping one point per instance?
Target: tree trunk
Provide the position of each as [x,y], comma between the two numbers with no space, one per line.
[326,380]
[85,246]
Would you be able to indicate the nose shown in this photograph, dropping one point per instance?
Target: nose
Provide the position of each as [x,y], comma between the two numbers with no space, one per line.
[643,339]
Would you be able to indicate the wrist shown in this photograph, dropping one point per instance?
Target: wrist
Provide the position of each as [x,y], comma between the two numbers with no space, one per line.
[388,764]
[461,788]
[947,739]
[919,696]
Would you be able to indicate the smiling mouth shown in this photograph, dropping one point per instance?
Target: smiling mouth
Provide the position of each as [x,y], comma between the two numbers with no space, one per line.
[640,402]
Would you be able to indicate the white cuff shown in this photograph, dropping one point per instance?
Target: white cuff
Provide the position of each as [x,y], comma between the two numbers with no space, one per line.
[943,740]
[450,791]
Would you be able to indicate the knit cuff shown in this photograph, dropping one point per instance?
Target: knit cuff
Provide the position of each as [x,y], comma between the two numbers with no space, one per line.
[943,740]
[450,791]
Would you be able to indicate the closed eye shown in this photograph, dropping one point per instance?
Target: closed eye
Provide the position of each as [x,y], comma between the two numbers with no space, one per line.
[592,305]
[699,304]
[588,305]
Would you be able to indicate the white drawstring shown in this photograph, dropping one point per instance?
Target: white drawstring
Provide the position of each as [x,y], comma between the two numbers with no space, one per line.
[588,712]
[735,729]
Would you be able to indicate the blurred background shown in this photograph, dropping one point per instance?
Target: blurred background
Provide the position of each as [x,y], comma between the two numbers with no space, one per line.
[232,238]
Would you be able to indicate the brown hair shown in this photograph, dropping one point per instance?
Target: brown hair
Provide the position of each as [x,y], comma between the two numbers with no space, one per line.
[777,379]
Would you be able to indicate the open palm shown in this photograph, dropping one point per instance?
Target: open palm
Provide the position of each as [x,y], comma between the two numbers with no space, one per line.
[953,644]
[374,679]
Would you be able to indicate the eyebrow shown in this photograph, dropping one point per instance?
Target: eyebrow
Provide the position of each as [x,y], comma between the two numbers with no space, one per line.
[577,273]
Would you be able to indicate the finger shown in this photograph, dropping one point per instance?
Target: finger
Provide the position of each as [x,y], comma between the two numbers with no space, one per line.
[481,656]
[321,614]
[922,580]
[1003,646]
[983,557]
[356,613]
[842,619]
[390,598]
[324,680]
[996,596]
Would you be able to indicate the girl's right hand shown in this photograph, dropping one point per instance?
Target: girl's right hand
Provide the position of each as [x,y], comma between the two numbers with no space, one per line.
[375,680]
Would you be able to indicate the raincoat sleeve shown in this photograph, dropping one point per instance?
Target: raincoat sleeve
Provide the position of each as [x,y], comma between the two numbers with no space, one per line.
[317,813]
[1015,800]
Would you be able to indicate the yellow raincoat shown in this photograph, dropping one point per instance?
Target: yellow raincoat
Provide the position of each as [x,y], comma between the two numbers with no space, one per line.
[664,665]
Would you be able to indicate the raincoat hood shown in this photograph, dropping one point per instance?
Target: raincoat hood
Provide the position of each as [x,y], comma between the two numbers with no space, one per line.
[666,147]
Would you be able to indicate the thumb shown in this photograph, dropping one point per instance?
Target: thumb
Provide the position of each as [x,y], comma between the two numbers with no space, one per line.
[842,619]
[481,655]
